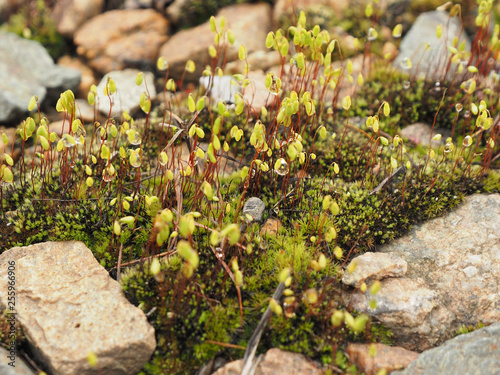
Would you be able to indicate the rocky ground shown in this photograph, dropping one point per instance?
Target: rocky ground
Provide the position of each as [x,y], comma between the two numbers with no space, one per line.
[439,279]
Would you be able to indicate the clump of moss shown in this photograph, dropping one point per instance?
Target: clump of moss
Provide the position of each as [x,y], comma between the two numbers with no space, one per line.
[33,21]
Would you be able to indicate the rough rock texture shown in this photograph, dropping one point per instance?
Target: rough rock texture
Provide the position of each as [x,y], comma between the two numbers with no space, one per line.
[452,279]
[387,357]
[477,352]
[373,266]
[26,69]
[122,38]
[256,94]
[222,88]
[250,24]
[127,95]
[71,14]
[68,307]
[255,208]
[270,227]
[275,362]
[410,309]
[420,134]
[433,62]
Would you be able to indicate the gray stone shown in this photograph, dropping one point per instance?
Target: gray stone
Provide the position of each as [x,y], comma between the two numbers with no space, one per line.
[26,69]
[21,368]
[222,88]
[432,63]
[470,354]
[374,266]
[255,208]
[456,260]
[68,307]
[127,95]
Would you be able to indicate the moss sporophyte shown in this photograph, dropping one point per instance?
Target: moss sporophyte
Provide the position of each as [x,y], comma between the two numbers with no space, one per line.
[158,196]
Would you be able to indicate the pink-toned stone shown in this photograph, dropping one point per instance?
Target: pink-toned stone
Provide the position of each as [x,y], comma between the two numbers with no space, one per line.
[250,24]
[420,134]
[276,362]
[256,94]
[374,266]
[122,38]
[387,358]
[69,307]
[270,227]
[71,14]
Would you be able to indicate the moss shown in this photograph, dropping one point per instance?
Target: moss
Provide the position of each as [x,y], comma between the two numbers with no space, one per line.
[33,21]
[341,203]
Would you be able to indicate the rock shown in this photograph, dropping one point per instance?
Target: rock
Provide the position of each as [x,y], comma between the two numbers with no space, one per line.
[408,308]
[250,24]
[223,88]
[121,39]
[258,60]
[256,94]
[255,208]
[69,307]
[452,277]
[374,266]
[432,63]
[387,358]
[420,134]
[21,368]
[174,12]
[275,362]
[60,127]
[69,15]
[473,353]
[26,69]
[127,95]
[88,76]
[270,227]
[85,111]
[389,50]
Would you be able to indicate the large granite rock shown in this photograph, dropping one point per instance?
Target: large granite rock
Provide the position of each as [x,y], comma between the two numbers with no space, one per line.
[69,307]
[250,24]
[119,39]
[477,352]
[452,278]
[433,62]
[127,95]
[26,69]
